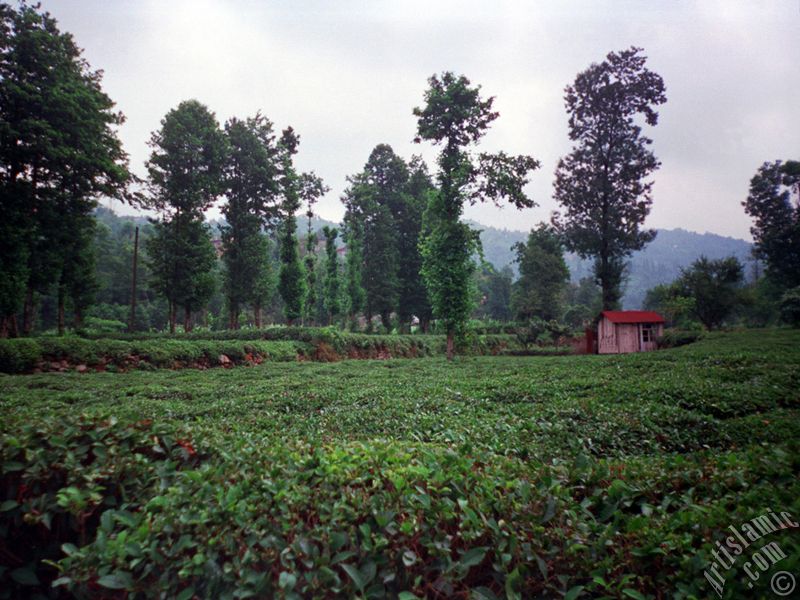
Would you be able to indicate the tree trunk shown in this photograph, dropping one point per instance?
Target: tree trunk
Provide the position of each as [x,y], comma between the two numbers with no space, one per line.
[450,344]
[233,317]
[28,310]
[425,325]
[386,321]
[132,320]
[187,319]
[13,330]
[172,317]
[61,296]
[78,318]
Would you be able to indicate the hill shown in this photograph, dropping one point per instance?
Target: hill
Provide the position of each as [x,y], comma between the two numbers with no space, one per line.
[659,262]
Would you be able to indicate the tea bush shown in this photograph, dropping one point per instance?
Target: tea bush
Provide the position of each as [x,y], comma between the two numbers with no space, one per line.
[60,478]
[487,477]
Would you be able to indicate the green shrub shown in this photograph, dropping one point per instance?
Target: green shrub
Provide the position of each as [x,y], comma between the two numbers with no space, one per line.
[62,479]
[672,338]
[19,355]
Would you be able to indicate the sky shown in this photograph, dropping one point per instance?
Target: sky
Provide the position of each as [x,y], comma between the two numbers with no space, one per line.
[347,74]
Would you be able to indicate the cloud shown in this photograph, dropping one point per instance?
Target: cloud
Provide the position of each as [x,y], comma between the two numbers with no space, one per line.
[347,74]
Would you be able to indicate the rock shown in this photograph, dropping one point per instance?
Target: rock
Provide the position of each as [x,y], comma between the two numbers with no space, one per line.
[81,368]
[55,365]
[224,360]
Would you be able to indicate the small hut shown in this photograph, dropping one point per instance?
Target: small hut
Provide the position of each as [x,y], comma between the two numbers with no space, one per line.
[622,331]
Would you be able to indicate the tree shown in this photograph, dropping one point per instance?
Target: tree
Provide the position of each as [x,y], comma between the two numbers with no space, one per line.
[412,297]
[456,117]
[296,189]
[185,169]
[251,188]
[667,300]
[264,283]
[333,305]
[182,266]
[714,287]
[494,289]
[58,151]
[375,199]
[601,185]
[543,276]
[790,307]
[310,261]
[774,204]
[353,263]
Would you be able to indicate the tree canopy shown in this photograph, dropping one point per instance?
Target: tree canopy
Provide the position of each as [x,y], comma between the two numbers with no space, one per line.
[602,184]
[774,204]
[456,117]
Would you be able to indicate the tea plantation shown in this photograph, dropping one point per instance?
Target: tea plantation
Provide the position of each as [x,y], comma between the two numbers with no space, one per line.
[491,477]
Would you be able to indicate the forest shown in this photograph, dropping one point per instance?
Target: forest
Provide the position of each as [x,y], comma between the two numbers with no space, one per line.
[69,264]
[259,403]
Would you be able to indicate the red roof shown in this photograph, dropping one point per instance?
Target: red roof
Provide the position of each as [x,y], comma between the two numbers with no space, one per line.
[632,316]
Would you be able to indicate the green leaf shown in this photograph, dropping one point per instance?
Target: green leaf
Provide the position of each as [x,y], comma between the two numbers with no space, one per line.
[482,593]
[407,596]
[287,580]
[186,594]
[355,575]
[8,505]
[361,577]
[25,576]
[634,594]
[473,557]
[573,593]
[116,581]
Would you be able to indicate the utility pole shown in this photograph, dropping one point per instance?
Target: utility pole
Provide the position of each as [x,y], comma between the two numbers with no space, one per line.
[132,322]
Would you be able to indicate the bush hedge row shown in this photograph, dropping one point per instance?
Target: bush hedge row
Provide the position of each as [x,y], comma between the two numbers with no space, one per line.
[24,355]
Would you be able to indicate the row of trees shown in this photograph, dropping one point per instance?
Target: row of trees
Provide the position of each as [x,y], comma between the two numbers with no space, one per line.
[408,252]
[58,151]
[711,291]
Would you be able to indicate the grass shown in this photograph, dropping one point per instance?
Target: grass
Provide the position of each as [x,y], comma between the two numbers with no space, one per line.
[496,476]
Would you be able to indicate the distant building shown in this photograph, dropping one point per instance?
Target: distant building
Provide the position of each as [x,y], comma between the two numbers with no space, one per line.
[623,331]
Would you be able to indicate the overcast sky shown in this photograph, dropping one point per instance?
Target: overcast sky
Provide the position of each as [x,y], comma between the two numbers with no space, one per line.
[346,76]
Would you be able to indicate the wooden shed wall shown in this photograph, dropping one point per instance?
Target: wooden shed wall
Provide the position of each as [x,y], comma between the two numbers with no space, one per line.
[620,338]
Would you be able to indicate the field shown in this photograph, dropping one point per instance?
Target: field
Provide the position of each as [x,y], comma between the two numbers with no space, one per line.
[494,476]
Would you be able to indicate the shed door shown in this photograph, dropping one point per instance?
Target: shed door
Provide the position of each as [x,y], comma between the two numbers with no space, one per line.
[628,337]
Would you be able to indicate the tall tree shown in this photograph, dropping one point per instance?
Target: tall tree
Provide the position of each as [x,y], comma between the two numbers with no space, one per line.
[58,152]
[354,291]
[456,117]
[186,170]
[601,185]
[494,288]
[774,204]
[713,285]
[251,187]
[376,201]
[543,276]
[412,295]
[310,262]
[296,188]
[333,305]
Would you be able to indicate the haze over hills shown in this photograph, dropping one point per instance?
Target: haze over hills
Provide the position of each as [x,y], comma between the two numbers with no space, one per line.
[659,262]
